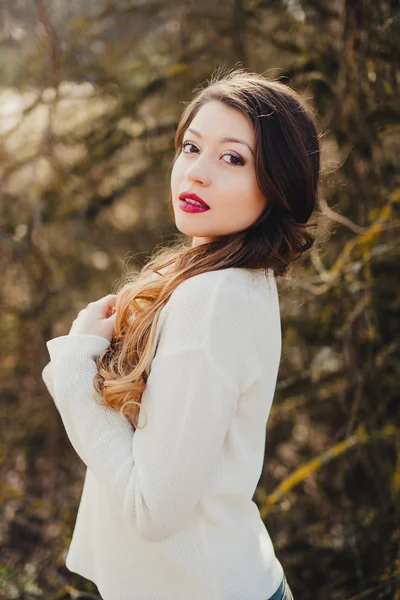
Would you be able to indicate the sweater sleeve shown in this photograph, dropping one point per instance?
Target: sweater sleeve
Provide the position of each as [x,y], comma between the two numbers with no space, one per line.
[157,474]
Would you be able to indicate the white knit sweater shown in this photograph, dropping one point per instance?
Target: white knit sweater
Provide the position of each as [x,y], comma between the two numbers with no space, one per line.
[166,512]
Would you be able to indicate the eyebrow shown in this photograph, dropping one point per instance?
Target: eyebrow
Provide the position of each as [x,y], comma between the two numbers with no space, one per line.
[224,139]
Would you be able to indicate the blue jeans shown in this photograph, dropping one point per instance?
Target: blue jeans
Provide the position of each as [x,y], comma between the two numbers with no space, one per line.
[283,592]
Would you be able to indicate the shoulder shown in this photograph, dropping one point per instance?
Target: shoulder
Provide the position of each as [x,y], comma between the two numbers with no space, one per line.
[235,289]
[210,279]
[201,295]
[228,315]
[206,307]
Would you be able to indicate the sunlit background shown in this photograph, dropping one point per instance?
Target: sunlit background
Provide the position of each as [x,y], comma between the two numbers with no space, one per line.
[90,96]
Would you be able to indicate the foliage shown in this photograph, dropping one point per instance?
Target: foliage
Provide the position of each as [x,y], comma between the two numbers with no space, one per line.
[89,105]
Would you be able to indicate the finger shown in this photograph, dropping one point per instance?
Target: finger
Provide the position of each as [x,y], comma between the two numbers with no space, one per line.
[110,311]
[109,299]
[105,301]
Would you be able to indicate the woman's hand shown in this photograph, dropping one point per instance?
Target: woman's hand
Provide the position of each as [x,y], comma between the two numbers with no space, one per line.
[97,318]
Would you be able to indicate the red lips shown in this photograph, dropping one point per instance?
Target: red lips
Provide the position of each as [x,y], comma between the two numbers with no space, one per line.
[192,196]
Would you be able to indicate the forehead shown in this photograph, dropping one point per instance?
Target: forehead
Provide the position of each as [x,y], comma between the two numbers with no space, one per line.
[216,119]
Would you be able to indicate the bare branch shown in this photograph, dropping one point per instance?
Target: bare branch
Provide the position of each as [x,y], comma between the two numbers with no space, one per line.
[360,437]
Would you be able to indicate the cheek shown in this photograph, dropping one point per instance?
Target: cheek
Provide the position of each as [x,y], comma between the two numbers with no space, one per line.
[176,174]
[258,200]
[173,176]
[244,190]
[250,199]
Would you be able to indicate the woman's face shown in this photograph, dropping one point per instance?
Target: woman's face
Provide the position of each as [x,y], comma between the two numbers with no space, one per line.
[222,173]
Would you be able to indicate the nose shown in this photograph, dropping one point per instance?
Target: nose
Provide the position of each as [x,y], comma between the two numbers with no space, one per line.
[199,171]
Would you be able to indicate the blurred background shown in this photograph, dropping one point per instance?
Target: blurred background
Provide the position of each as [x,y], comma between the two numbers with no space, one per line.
[90,96]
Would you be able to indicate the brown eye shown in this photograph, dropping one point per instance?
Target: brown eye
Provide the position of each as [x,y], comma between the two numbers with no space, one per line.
[185,143]
[236,157]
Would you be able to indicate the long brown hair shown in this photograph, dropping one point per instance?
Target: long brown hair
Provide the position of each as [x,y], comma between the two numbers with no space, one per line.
[287,164]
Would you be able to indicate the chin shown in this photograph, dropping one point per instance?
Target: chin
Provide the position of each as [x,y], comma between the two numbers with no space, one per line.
[190,231]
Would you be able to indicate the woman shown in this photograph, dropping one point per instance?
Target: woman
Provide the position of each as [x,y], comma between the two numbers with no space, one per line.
[186,365]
